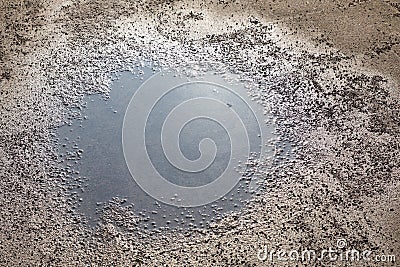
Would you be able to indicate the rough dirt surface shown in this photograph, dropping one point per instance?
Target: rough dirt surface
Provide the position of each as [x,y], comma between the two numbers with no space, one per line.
[327,70]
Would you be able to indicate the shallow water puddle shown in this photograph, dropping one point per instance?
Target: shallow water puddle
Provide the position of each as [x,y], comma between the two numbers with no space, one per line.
[175,147]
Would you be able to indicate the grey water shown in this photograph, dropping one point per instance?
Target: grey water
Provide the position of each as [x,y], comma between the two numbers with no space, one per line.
[98,138]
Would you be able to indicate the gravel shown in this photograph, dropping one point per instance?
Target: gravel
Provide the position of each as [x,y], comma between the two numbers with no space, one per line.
[343,119]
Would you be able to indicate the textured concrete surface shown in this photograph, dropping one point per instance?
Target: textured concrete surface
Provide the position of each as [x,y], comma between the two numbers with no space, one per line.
[327,70]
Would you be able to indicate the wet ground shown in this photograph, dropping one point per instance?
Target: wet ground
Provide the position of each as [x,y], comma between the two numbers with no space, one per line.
[324,73]
[92,151]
